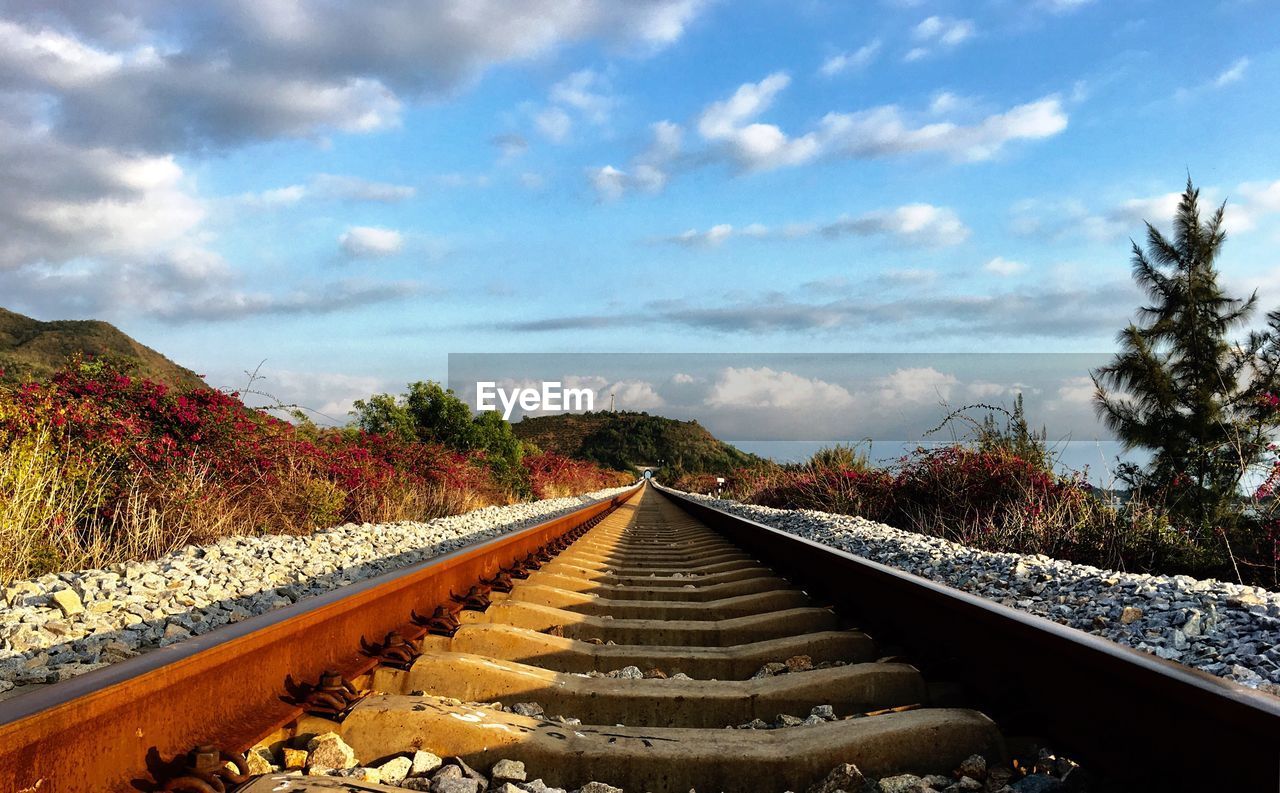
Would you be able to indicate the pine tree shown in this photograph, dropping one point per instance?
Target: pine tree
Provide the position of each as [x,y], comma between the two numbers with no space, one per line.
[1179,387]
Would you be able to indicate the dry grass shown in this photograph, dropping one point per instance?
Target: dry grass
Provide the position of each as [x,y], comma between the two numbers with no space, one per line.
[51,515]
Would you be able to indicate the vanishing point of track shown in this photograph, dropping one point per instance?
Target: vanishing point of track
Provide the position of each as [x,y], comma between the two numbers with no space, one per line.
[656,581]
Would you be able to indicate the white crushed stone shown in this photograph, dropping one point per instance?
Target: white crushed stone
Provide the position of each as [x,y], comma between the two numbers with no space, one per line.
[135,606]
[1225,629]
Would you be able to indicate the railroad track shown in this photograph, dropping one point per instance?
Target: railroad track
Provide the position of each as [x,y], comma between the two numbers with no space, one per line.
[647,582]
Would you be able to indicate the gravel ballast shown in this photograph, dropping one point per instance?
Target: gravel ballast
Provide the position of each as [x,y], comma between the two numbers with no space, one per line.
[1225,629]
[64,624]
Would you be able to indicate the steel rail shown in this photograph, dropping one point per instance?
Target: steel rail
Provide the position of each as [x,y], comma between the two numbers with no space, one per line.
[117,728]
[1120,712]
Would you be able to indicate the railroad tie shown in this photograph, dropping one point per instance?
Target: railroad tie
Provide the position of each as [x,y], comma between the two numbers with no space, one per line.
[652,588]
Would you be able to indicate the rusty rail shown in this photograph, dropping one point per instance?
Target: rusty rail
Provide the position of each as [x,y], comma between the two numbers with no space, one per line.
[1121,712]
[117,728]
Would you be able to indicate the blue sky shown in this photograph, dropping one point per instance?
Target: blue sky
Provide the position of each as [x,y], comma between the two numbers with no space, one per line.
[351,192]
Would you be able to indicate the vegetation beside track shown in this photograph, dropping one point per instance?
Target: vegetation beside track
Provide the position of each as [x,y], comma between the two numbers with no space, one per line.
[99,465]
[1204,403]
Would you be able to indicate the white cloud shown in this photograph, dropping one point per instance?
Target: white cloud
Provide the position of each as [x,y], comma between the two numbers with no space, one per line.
[610,183]
[102,101]
[510,145]
[584,96]
[53,58]
[876,132]
[884,131]
[730,127]
[1077,390]
[353,188]
[278,197]
[1256,200]
[939,33]
[586,91]
[1004,267]
[762,387]
[253,71]
[917,224]
[327,397]
[912,276]
[60,202]
[915,385]
[554,124]
[370,242]
[1228,76]
[1058,219]
[330,186]
[630,395]
[850,61]
[922,225]
[1062,6]
[1232,74]
[648,172]
[980,390]
[531,180]
[709,238]
[753,145]
[626,394]
[946,102]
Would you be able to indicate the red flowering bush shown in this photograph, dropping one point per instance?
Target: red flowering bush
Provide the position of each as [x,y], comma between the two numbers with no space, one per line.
[987,497]
[551,475]
[97,465]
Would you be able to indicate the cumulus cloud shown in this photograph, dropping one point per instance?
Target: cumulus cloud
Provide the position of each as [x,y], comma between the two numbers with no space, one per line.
[583,96]
[763,387]
[754,145]
[102,100]
[370,242]
[60,202]
[730,125]
[648,172]
[610,183]
[915,384]
[261,70]
[886,131]
[843,62]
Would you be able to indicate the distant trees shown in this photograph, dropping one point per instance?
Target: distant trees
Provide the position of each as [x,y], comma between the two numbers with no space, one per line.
[1180,387]
[431,413]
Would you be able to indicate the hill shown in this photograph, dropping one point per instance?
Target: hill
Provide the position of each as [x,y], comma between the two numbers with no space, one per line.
[625,441]
[34,350]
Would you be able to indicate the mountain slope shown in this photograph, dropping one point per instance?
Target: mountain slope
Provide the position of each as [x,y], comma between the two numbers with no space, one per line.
[628,440]
[34,350]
